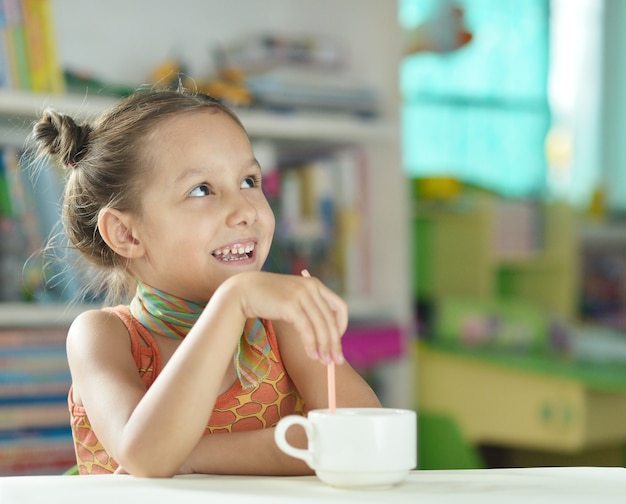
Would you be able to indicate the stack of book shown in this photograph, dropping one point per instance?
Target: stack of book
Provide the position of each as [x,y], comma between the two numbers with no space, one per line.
[21,233]
[32,267]
[518,229]
[28,56]
[300,73]
[35,436]
[321,204]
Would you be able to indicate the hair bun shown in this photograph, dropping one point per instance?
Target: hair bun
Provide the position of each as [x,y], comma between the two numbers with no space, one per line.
[61,138]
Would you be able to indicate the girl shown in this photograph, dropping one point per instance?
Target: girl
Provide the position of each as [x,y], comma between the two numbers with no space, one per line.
[164,196]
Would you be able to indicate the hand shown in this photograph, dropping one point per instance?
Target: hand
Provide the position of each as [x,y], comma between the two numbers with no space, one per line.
[316,313]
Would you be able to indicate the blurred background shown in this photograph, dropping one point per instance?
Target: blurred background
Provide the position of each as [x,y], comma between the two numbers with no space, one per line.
[454,168]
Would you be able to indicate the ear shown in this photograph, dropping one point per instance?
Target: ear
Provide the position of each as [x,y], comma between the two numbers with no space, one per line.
[116,230]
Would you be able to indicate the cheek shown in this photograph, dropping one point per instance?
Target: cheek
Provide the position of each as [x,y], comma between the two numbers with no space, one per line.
[266,217]
[271,221]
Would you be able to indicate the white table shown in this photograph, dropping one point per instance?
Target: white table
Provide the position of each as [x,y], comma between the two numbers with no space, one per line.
[503,486]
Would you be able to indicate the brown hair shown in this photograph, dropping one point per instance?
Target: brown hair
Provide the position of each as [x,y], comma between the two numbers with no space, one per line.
[107,161]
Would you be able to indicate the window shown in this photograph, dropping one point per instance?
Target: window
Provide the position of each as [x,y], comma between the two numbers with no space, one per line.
[479,113]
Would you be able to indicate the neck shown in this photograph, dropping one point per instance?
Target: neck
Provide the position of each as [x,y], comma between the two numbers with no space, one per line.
[164,313]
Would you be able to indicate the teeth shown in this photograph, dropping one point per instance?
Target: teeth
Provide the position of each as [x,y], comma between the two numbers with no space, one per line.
[234,253]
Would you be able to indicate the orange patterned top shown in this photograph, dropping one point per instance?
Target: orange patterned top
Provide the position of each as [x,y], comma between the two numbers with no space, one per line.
[235,410]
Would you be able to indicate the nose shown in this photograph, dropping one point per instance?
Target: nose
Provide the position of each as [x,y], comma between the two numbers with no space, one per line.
[240,210]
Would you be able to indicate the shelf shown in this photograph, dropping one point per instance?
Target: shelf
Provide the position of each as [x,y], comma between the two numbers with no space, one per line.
[32,315]
[537,261]
[603,234]
[25,105]
[19,109]
[335,128]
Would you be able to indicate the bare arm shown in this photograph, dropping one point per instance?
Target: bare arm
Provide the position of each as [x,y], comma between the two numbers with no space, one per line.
[153,432]
[261,455]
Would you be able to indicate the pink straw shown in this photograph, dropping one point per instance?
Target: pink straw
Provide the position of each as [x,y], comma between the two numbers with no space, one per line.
[332,400]
[330,374]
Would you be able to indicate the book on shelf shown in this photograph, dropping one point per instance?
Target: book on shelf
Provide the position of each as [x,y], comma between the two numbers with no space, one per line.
[34,258]
[32,338]
[16,45]
[518,229]
[300,73]
[353,237]
[5,74]
[11,237]
[320,205]
[602,299]
[32,363]
[20,235]
[52,386]
[33,366]
[29,54]
[35,437]
[36,451]
[40,414]
[6,208]
[45,71]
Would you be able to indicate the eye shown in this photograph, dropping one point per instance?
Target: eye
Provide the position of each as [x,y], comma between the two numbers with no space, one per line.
[250,182]
[200,190]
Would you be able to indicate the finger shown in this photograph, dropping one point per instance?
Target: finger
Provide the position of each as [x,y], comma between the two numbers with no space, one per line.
[323,318]
[312,347]
[312,328]
[341,321]
[339,308]
[305,328]
[339,314]
[337,304]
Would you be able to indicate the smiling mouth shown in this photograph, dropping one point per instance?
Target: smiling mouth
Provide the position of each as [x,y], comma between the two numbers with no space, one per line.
[238,252]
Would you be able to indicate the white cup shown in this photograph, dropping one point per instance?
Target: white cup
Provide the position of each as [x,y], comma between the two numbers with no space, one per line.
[355,447]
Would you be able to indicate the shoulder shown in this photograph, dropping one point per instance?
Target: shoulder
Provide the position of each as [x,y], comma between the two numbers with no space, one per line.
[96,330]
[98,346]
[96,321]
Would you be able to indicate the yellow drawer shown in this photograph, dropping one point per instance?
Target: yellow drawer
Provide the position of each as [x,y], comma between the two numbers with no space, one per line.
[496,404]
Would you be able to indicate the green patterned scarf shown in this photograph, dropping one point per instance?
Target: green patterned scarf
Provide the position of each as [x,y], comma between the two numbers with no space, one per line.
[173,317]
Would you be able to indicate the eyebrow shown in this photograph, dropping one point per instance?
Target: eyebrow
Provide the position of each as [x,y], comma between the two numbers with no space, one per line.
[190,173]
[203,171]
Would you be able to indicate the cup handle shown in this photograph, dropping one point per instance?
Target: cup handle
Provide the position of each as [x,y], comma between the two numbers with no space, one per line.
[280,438]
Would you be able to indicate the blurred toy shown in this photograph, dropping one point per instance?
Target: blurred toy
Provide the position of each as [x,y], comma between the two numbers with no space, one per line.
[169,74]
[228,85]
[440,188]
[444,32]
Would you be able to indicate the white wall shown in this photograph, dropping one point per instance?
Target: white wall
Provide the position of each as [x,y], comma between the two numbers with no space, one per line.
[123,40]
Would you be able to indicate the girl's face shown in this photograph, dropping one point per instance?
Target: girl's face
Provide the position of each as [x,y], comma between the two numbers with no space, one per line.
[204,215]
